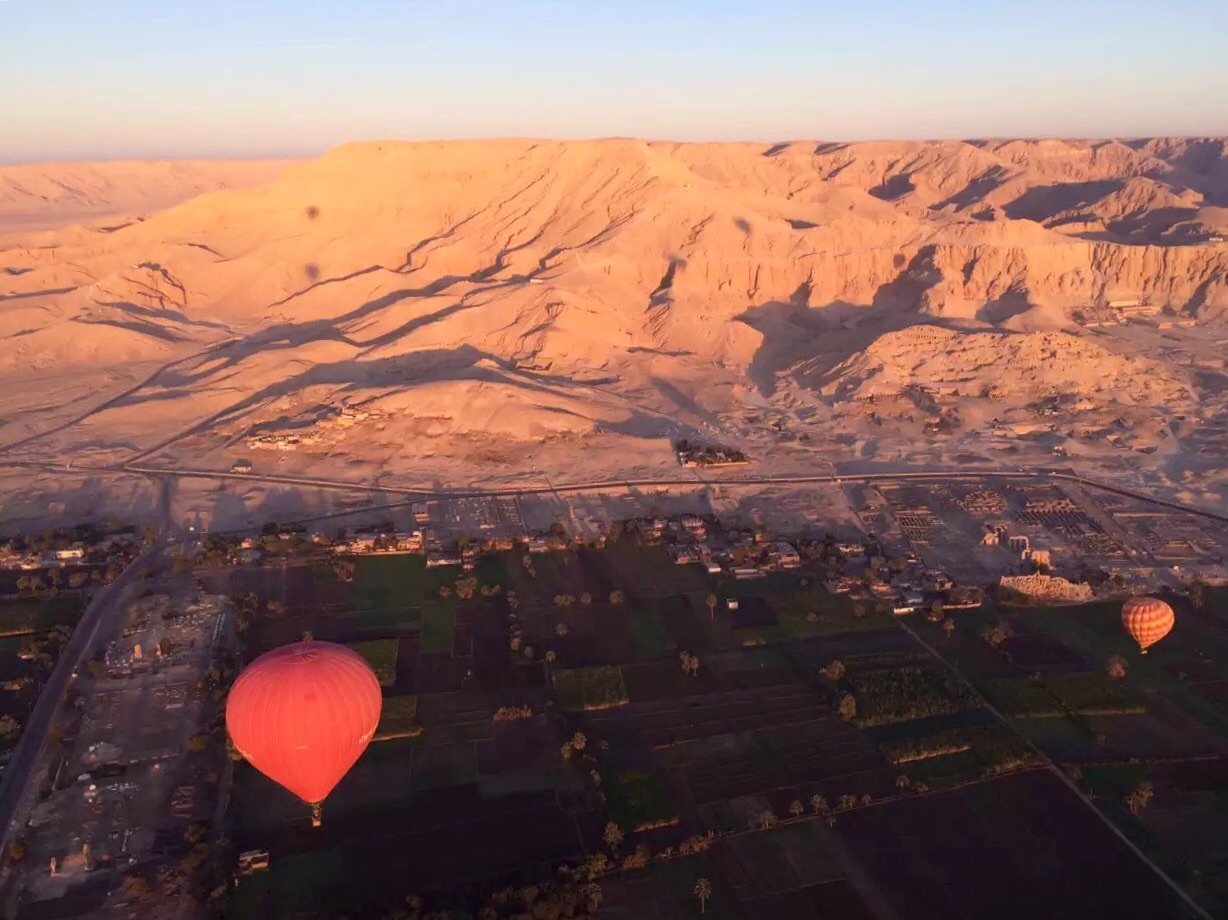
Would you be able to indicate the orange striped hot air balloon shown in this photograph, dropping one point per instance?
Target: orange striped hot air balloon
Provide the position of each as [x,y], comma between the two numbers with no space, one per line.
[1147,620]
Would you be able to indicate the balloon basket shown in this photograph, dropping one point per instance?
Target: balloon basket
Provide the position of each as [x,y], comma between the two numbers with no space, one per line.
[316,818]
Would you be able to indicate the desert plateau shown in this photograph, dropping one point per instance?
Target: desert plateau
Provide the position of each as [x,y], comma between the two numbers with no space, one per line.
[487,314]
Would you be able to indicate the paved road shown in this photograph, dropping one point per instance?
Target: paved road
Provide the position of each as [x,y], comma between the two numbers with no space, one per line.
[30,748]
[420,494]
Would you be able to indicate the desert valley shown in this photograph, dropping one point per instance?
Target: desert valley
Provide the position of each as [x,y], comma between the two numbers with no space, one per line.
[511,313]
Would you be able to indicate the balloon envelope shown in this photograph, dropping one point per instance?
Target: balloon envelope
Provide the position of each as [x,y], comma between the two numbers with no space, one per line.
[1147,620]
[303,714]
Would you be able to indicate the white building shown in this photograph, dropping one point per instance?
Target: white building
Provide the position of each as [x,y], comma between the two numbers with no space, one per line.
[446,558]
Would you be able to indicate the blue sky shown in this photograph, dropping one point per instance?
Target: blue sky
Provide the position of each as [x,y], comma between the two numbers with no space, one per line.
[82,79]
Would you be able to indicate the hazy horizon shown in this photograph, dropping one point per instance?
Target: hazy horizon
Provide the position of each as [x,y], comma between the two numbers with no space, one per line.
[131,79]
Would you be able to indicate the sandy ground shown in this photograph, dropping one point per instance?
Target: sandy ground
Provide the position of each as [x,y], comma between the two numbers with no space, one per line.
[494,313]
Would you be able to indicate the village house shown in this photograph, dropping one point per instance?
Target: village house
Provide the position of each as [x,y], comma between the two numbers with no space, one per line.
[409,542]
[355,544]
[1039,557]
[785,555]
[694,525]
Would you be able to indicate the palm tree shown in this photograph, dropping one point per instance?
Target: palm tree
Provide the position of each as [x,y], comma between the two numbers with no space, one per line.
[703,891]
[711,615]
[592,893]
[902,783]
[1140,797]
[948,626]
[616,597]
[847,707]
[586,598]
[835,671]
[995,635]
[818,804]
[796,809]
[613,836]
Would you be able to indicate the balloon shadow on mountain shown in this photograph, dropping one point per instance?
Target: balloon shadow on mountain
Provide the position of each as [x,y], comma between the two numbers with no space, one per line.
[1007,306]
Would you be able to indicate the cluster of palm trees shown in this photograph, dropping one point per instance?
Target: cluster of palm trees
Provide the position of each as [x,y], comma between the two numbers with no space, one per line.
[768,819]
[566,600]
[577,744]
[33,583]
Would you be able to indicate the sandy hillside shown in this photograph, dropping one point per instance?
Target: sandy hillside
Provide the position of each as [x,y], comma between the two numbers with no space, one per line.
[479,312]
[46,196]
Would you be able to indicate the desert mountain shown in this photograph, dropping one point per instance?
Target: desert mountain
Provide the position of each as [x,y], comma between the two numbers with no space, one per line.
[45,196]
[463,311]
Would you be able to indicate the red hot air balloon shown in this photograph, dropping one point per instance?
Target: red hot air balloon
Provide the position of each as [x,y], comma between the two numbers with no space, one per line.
[1147,620]
[303,714]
